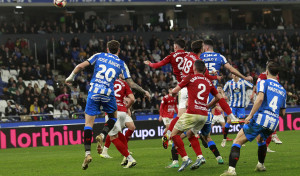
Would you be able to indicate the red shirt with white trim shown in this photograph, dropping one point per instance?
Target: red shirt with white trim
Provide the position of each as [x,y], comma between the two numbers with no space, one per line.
[176,59]
[189,61]
[198,87]
[168,106]
[122,90]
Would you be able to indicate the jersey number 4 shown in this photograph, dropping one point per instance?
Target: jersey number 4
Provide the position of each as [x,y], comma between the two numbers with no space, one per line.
[273,103]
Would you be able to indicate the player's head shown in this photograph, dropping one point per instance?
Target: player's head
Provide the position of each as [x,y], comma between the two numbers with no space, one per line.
[113,47]
[197,46]
[273,68]
[219,88]
[179,44]
[208,45]
[199,66]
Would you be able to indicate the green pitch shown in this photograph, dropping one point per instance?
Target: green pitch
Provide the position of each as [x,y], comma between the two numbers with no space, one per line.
[151,159]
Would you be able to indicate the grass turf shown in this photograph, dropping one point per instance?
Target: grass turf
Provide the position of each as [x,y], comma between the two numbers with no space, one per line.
[151,159]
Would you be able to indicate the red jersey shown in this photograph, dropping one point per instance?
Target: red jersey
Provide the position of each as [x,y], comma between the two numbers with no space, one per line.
[168,106]
[263,76]
[217,110]
[176,60]
[189,61]
[122,90]
[198,87]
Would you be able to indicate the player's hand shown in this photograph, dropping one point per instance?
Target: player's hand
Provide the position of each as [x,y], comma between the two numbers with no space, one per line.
[249,78]
[69,82]
[219,78]
[147,95]
[247,120]
[160,118]
[147,62]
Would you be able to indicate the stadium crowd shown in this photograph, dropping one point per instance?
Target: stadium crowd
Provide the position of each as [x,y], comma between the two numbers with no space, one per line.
[249,53]
[74,24]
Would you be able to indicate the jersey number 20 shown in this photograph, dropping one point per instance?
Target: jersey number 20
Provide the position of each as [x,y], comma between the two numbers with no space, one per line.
[109,73]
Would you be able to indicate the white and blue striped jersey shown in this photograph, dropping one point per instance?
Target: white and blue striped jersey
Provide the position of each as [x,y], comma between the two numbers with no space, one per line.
[274,100]
[107,68]
[237,92]
[213,61]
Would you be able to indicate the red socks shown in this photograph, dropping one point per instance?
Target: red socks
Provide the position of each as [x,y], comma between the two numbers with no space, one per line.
[172,124]
[107,141]
[180,145]
[128,134]
[121,147]
[196,145]
[268,141]
[224,105]
[123,139]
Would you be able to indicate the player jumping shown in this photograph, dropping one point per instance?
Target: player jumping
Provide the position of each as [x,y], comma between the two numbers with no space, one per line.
[107,68]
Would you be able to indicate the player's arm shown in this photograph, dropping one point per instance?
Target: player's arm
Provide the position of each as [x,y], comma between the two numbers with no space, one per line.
[216,98]
[237,73]
[257,104]
[182,84]
[161,109]
[161,63]
[76,70]
[133,85]
[211,77]
[282,112]
[130,100]
[253,93]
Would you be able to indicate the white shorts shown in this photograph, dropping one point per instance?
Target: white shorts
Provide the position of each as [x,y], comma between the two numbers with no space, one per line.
[182,98]
[123,118]
[167,120]
[193,122]
[218,119]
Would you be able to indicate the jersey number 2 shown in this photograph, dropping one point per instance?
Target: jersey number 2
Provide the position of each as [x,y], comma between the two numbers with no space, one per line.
[202,88]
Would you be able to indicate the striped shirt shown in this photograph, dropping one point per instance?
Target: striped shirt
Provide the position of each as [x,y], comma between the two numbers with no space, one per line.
[237,92]
[274,100]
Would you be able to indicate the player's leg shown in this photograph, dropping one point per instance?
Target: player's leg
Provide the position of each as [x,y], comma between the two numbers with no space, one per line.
[131,127]
[119,140]
[181,126]
[195,142]
[275,138]
[104,153]
[205,133]
[222,122]
[167,135]
[261,153]
[88,134]
[241,115]
[109,105]
[92,109]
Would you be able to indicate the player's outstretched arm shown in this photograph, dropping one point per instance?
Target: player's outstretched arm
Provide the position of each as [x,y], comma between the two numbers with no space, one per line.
[76,70]
[237,73]
[256,105]
[133,85]
[176,90]
[161,63]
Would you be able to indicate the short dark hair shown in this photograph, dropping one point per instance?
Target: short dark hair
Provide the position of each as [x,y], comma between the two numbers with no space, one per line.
[197,46]
[273,68]
[200,66]
[180,43]
[113,46]
[209,42]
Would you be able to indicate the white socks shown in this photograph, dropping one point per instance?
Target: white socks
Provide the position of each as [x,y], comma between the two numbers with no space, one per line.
[130,158]
[87,153]
[185,158]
